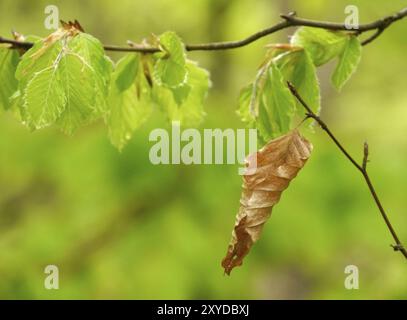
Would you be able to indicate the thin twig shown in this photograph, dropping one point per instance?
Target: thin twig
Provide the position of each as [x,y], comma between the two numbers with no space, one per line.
[362,168]
[289,20]
[365,155]
[378,32]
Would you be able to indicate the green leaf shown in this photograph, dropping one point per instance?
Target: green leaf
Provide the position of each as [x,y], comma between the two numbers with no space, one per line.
[348,62]
[39,57]
[78,82]
[170,67]
[244,111]
[129,100]
[258,88]
[63,79]
[92,53]
[126,71]
[276,105]
[127,114]
[181,93]
[251,95]
[16,102]
[323,45]
[298,68]
[190,112]
[44,98]
[8,63]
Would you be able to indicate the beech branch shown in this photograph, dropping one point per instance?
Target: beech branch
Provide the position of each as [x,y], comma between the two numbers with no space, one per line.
[289,20]
[361,167]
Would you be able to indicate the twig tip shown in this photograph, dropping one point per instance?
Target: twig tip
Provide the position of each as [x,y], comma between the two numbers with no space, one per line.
[289,15]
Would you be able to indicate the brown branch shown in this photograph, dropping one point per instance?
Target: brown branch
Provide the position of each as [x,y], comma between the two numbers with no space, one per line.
[289,20]
[362,168]
[378,32]
[365,155]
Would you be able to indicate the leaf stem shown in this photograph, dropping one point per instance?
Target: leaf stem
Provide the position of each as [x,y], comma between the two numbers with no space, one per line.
[289,20]
[362,168]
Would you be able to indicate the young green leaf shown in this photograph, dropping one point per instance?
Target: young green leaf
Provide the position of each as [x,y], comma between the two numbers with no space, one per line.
[348,62]
[90,50]
[323,45]
[44,98]
[244,106]
[63,79]
[258,88]
[129,100]
[33,61]
[170,68]
[180,94]
[190,112]
[125,72]
[78,82]
[8,64]
[298,68]
[269,92]
[40,57]
[278,102]
[276,105]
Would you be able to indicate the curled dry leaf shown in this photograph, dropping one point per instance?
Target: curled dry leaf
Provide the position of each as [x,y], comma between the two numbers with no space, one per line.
[278,162]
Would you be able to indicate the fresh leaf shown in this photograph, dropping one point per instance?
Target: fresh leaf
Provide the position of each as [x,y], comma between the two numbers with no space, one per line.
[258,88]
[8,64]
[278,104]
[78,82]
[39,57]
[40,104]
[126,71]
[180,94]
[275,104]
[298,68]
[190,112]
[170,68]
[44,98]
[348,62]
[323,45]
[63,79]
[129,100]
[91,51]
[244,106]
[277,164]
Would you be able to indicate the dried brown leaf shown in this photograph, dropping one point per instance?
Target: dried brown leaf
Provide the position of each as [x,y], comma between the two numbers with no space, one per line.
[278,162]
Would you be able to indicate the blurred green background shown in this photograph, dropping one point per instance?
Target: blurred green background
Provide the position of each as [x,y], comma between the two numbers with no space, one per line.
[119,227]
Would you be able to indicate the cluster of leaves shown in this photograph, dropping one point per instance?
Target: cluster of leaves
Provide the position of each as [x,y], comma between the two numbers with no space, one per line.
[268,105]
[67,80]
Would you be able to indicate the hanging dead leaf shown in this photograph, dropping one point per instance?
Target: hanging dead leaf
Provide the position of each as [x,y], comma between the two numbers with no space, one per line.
[278,162]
